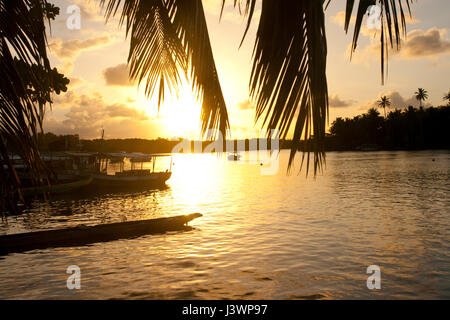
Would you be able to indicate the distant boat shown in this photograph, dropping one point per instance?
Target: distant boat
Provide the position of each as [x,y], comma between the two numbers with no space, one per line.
[234,156]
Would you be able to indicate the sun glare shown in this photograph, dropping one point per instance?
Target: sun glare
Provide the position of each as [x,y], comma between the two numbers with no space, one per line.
[179,116]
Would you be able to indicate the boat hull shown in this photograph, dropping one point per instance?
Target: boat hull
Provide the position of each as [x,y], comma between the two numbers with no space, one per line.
[57,188]
[84,235]
[151,180]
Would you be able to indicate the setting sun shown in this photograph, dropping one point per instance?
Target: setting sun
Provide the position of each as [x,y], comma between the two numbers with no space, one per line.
[178,115]
[181,115]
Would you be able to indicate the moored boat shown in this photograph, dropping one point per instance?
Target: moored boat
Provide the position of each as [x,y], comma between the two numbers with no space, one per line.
[137,174]
[57,188]
[150,179]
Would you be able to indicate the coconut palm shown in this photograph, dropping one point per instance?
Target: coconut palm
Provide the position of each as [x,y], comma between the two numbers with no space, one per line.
[421,95]
[383,103]
[447,97]
[169,38]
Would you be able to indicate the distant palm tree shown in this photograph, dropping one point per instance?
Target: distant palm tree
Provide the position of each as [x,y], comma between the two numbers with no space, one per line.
[421,95]
[383,103]
[447,97]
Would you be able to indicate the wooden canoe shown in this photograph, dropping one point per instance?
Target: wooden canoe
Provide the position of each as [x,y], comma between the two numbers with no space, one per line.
[84,235]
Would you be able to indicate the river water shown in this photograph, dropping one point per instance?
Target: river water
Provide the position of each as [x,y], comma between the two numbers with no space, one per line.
[261,236]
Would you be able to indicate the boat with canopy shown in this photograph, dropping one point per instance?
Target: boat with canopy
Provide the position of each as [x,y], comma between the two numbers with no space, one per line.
[132,169]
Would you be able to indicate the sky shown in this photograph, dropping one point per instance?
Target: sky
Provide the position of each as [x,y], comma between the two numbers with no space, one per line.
[100,95]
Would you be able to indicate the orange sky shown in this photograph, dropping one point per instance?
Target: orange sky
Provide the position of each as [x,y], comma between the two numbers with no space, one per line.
[100,95]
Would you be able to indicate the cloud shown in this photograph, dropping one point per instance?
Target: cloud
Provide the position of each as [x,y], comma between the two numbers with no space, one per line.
[400,102]
[117,75]
[418,44]
[63,99]
[246,105]
[425,43]
[120,110]
[70,49]
[339,18]
[336,102]
[76,82]
[397,101]
[86,115]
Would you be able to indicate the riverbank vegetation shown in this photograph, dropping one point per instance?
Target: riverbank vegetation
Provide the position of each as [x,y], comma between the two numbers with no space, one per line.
[406,129]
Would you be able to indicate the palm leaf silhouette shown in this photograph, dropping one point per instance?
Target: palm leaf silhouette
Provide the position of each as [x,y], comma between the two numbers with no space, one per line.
[288,77]
[171,35]
[393,25]
[22,35]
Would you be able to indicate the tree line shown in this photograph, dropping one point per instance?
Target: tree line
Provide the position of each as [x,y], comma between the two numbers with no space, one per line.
[50,142]
[410,129]
[407,129]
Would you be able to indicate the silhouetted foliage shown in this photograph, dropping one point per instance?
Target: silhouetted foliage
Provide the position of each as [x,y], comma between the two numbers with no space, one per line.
[39,90]
[52,142]
[407,129]
[447,98]
[410,128]
[26,81]
[421,95]
[383,103]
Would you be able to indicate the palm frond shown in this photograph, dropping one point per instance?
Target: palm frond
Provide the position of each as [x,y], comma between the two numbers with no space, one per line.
[393,25]
[22,35]
[288,76]
[168,36]
[288,79]
[156,52]
[191,25]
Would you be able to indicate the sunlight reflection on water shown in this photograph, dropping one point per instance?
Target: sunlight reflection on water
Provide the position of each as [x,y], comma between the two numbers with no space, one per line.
[261,237]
